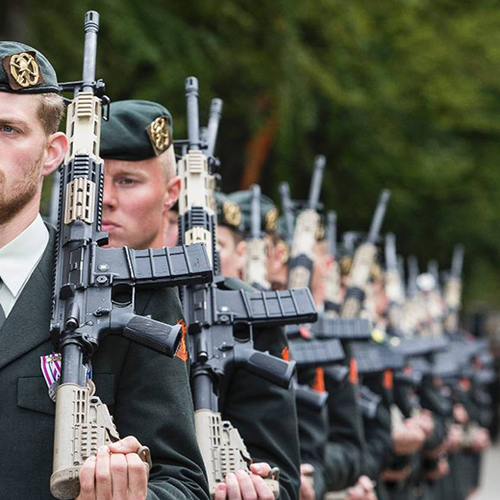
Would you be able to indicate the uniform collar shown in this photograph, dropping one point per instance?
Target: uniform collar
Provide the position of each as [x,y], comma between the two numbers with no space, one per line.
[20,256]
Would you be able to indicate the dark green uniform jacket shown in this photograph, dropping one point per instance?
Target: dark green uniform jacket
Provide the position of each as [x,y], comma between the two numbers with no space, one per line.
[147,393]
[344,448]
[264,414]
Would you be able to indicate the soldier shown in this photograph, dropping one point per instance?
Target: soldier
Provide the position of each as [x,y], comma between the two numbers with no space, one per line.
[134,165]
[134,382]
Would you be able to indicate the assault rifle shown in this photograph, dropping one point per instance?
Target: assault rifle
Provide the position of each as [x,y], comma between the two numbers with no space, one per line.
[255,267]
[333,286]
[214,314]
[453,290]
[364,258]
[94,287]
[304,236]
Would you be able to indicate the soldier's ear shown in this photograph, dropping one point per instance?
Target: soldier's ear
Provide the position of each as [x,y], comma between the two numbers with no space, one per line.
[172,193]
[55,151]
[241,254]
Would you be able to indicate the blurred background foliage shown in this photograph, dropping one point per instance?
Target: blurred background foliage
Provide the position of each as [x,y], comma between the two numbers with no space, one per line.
[399,94]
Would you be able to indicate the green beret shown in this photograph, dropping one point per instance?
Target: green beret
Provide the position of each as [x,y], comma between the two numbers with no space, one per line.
[135,131]
[24,70]
[268,210]
[228,212]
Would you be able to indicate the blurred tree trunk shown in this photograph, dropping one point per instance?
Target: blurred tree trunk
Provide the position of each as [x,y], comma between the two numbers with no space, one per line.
[258,149]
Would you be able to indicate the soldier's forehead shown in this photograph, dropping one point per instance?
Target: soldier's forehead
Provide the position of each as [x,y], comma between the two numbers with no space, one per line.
[18,105]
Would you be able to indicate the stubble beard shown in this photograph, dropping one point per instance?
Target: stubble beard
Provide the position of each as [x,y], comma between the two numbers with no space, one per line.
[15,198]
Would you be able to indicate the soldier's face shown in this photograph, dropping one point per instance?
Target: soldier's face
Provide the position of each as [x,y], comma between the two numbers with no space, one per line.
[27,155]
[137,196]
[232,255]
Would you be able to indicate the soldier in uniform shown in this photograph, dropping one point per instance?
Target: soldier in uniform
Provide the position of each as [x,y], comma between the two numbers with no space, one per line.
[147,393]
[137,200]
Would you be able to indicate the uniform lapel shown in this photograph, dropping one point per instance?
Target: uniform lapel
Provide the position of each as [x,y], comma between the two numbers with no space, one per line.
[28,324]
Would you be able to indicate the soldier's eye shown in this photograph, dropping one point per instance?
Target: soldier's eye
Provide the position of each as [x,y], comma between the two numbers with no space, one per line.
[8,129]
[127,182]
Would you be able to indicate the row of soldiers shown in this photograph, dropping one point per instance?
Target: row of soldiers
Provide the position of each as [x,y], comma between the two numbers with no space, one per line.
[236,383]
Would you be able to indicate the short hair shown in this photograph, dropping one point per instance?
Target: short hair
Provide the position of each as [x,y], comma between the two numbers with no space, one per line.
[50,111]
[167,159]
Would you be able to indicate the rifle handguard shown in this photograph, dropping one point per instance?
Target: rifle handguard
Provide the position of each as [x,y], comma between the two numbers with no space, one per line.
[82,425]
[153,334]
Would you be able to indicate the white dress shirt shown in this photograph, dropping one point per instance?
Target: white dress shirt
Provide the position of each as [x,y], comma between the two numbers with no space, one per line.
[18,260]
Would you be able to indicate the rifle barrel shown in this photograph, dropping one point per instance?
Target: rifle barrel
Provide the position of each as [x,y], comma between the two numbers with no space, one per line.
[255,212]
[378,217]
[331,232]
[213,125]
[91,27]
[286,203]
[315,190]
[193,113]
[458,261]
[391,259]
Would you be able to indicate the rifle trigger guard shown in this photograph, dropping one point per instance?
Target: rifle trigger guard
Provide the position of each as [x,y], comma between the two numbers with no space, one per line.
[145,455]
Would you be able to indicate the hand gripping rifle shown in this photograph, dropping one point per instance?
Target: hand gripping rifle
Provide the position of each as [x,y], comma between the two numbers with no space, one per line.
[363,261]
[94,287]
[255,266]
[453,290]
[304,236]
[333,287]
[212,315]
[393,283]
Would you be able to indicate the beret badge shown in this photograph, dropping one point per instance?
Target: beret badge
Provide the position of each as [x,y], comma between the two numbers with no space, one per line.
[22,70]
[159,134]
[232,213]
[271,219]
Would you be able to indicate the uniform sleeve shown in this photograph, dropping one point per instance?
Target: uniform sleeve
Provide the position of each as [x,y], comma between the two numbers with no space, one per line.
[313,430]
[345,441]
[265,415]
[153,403]
[378,451]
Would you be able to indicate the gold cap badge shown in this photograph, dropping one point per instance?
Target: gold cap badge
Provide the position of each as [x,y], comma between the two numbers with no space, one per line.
[271,219]
[232,213]
[22,70]
[159,134]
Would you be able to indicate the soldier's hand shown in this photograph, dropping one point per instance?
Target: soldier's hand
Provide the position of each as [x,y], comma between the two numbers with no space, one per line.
[460,414]
[408,438]
[244,486]
[364,489]
[442,469]
[454,438]
[394,475]
[306,487]
[115,473]
[481,440]
[426,422]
